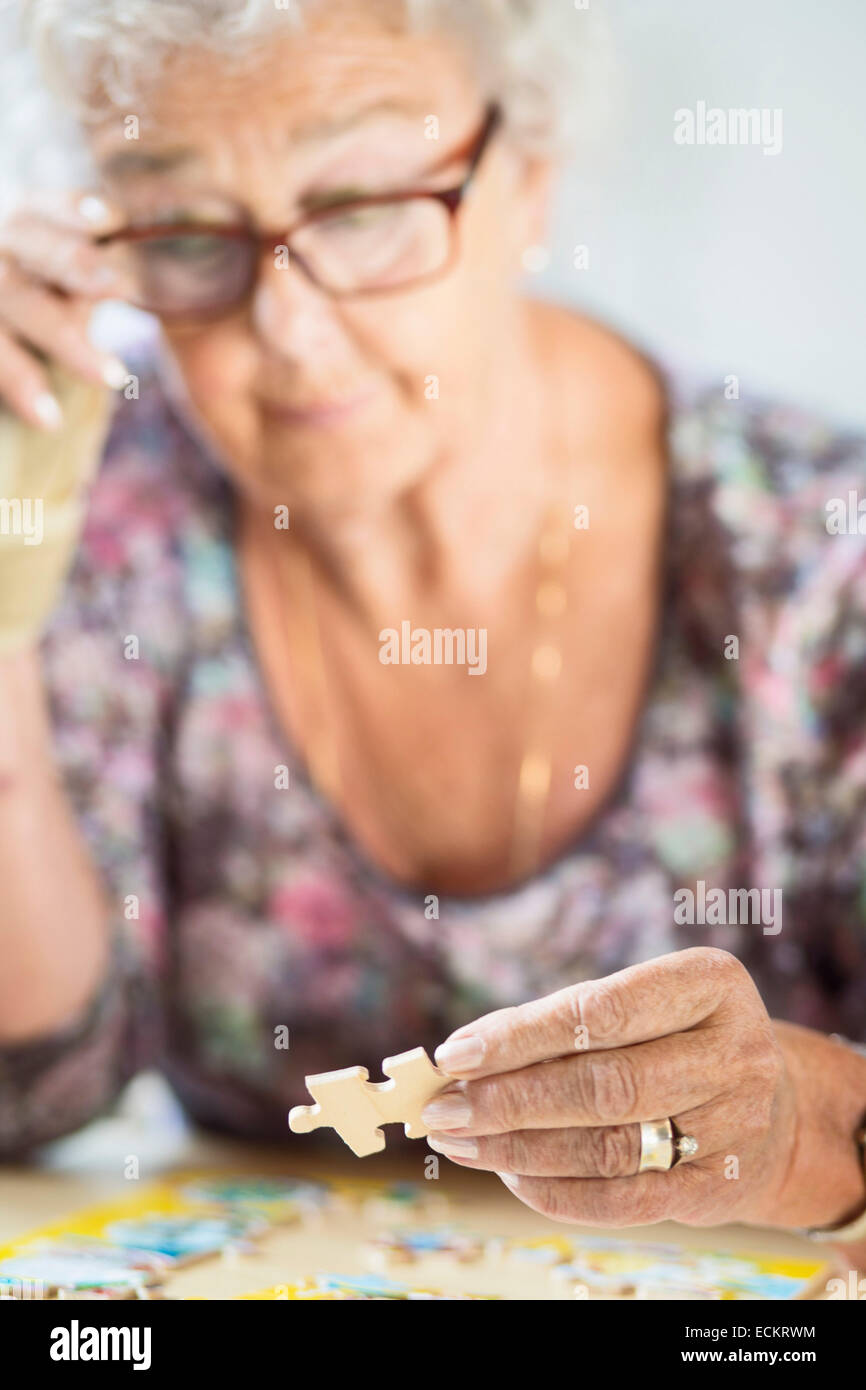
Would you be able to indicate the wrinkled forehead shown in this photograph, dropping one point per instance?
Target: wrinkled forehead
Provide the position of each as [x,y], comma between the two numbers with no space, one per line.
[321,92]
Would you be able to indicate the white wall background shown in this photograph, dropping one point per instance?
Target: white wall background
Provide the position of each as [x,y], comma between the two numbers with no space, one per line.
[720,258]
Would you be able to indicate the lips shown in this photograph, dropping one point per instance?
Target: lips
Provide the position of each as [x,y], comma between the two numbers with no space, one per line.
[317,412]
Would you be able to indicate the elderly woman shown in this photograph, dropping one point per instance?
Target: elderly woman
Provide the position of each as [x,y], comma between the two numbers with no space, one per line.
[260,814]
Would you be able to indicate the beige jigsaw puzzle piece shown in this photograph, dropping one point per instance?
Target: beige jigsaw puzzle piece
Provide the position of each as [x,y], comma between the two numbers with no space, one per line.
[355,1107]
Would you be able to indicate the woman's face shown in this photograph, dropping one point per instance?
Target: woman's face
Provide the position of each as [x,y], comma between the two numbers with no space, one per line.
[333,407]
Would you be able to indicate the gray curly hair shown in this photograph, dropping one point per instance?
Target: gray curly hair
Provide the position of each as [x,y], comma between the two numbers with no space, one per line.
[544,60]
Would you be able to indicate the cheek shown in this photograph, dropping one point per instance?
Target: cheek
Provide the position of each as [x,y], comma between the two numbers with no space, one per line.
[217,366]
[217,363]
[438,338]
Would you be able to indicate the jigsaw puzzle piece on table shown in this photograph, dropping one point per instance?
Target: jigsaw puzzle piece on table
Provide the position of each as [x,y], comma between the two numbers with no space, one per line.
[71,1267]
[186,1237]
[409,1246]
[355,1107]
[273,1199]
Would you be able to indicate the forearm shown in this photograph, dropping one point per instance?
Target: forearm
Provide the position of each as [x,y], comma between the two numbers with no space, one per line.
[53,916]
[824,1183]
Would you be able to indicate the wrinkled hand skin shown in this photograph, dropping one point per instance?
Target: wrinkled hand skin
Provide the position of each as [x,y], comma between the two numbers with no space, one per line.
[553,1101]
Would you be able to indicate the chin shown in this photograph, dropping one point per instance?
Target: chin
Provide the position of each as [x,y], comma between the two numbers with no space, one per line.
[341,482]
[342,471]
[329,471]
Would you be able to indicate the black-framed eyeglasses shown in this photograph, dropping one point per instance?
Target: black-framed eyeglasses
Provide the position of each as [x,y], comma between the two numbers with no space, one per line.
[373,245]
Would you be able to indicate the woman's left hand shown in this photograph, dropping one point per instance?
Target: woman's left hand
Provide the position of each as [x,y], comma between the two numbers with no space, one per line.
[555,1090]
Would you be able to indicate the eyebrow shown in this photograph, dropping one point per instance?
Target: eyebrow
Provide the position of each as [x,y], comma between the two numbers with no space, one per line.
[332,197]
[131,163]
[337,125]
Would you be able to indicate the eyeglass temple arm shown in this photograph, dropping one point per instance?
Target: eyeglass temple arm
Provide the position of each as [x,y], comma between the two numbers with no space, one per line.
[453,197]
[491,125]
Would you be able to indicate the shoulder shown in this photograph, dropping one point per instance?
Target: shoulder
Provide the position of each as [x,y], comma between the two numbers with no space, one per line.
[608,408]
[777,478]
[605,385]
[768,530]
[766,499]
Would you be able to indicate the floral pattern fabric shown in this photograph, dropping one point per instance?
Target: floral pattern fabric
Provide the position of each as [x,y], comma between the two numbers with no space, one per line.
[245,917]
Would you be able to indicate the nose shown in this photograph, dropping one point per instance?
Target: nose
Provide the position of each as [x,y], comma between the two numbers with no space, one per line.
[293,317]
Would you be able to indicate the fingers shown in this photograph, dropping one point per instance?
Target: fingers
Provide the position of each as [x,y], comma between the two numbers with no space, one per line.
[620,1086]
[83,212]
[637,1201]
[658,997]
[50,274]
[24,388]
[53,241]
[611,1151]
[56,327]
[548,1153]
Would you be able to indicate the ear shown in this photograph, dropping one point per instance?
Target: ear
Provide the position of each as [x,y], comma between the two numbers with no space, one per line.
[534,178]
[538,179]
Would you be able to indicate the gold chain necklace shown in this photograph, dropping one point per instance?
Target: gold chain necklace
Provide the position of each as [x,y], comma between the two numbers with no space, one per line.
[545,668]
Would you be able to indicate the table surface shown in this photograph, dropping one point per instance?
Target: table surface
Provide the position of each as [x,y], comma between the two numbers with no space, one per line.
[89,1170]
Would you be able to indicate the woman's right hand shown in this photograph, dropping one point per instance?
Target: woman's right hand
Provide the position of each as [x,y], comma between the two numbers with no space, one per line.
[51,275]
[54,406]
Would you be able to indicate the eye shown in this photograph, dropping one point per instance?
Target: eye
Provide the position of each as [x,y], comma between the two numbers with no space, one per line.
[362,218]
[192,250]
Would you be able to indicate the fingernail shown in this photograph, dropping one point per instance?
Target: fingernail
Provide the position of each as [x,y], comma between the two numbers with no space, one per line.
[510,1179]
[448,1111]
[114,373]
[47,410]
[453,1144]
[461,1054]
[93,209]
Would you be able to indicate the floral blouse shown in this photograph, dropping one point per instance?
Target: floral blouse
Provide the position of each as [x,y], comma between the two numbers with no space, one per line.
[254,943]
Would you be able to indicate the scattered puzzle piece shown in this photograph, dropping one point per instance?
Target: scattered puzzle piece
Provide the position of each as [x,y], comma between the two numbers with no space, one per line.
[184,1237]
[46,1269]
[73,1260]
[273,1199]
[354,1106]
[400,1201]
[372,1286]
[546,1250]
[407,1247]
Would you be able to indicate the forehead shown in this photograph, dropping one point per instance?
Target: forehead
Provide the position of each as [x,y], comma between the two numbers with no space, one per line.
[305,91]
